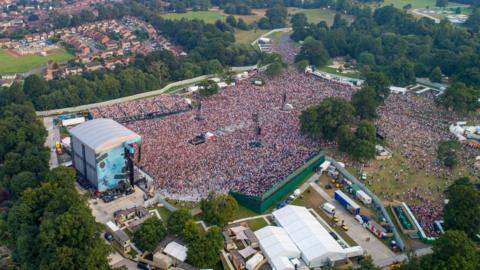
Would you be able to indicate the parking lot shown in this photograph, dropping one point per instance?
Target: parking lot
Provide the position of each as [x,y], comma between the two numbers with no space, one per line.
[103,212]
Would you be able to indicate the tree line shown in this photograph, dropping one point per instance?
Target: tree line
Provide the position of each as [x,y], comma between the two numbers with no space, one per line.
[393,42]
[45,222]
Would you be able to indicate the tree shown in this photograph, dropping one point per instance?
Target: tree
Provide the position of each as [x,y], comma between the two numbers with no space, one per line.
[460,98]
[365,103]
[313,51]
[242,25]
[274,69]
[21,182]
[436,75]
[447,152]
[363,146]
[176,221]
[34,86]
[345,138]
[277,16]
[324,120]
[208,88]
[151,232]
[218,209]
[160,70]
[302,65]
[380,83]
[441,3]
[51,227]
[231,21]
[461,211]
[401,72]
[454,250]
[190,231]
[203,251]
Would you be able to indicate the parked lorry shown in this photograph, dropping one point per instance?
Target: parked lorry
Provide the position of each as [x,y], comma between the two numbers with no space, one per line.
[347,202]
[363,197]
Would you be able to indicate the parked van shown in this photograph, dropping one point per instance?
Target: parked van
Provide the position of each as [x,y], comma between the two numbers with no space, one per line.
[329,208]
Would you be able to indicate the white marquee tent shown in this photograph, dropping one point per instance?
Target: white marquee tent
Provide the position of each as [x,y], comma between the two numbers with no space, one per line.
[316,245]
[277,247]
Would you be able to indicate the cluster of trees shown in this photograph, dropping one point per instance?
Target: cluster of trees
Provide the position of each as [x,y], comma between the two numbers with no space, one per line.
[455,249]
[47,224]
[218,208]
[392,41]
[237,8]
[240,24]
[275,17]
[151,232]
[447,152]
[333,119]
[349,123]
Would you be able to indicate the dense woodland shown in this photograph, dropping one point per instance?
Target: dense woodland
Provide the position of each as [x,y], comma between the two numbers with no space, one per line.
[393,42]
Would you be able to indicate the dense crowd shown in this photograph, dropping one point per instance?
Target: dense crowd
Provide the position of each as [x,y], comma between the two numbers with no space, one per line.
[286,48]
[228,162]
[160,105]
[413,126]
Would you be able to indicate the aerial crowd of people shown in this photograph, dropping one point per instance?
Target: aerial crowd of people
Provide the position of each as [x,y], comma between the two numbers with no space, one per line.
[227,161]
[158,105]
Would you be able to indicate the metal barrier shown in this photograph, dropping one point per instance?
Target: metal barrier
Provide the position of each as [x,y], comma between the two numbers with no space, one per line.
[376,201]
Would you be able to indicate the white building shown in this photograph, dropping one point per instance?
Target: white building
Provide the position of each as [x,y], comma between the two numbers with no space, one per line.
[176,251]
[317,246]
[277,247]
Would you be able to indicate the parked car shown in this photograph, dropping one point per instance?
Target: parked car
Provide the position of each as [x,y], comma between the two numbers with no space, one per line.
[334,235]
[345,227]
[129,191]
[144,266]
[108,236]
[107,198]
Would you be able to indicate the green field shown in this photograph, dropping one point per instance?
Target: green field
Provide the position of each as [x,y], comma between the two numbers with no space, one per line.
[15,64]
[317,15]
[249,36]
[416,3]
[210,16]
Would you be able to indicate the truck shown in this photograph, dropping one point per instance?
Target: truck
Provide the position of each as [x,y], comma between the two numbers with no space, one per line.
[363,197]
[347,202]
[329,208]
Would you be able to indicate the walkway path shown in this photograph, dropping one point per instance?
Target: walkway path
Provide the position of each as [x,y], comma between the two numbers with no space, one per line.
[52,137]
[419,13]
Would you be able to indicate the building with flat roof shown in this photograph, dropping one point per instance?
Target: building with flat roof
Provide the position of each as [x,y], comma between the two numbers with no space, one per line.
[100,153]
[317,246]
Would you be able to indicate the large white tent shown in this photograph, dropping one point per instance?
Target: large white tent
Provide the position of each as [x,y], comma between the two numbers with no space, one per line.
[277,247]
[316,245]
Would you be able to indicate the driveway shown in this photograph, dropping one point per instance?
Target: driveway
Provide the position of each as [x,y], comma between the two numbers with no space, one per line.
[52,137]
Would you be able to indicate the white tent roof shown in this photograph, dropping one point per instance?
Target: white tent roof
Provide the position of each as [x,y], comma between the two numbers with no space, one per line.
[275,242]
[176,250]
[282,263]
[311,238]
[103,134]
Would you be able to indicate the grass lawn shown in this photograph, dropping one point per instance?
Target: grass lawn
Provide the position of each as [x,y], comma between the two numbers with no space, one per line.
[257,15]
[317,15]
[243,212]
[164,213]
[415,3]
[210,16]
[14,64]
[256,224]
[249,36]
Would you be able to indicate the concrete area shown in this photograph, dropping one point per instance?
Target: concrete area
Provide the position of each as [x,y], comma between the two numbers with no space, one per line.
[103,212]
[52,137]
[381,254]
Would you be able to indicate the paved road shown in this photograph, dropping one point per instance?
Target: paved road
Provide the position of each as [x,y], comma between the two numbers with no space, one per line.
[419,13]
[52,137]
[381,254]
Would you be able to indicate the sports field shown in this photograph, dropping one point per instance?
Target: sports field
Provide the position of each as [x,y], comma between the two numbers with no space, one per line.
[10,63]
